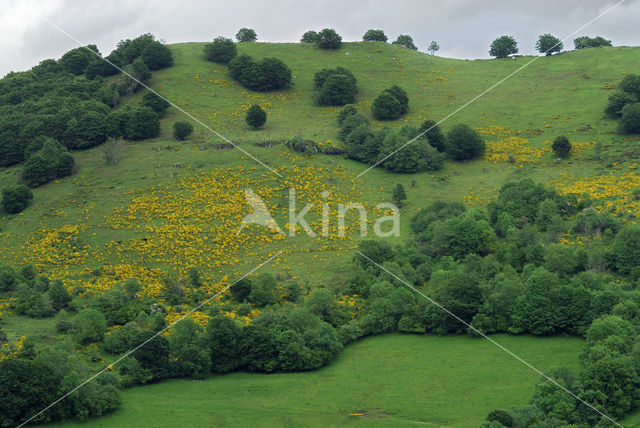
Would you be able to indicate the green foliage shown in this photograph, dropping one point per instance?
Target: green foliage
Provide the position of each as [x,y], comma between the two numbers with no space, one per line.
[433,47]
[352,122]
[268,74]
[434,135]
[142,123]
[155,55]
[390,104]
[625,250]
[548,44]
[89,326]
[263,290]
[374,36]
[246,35]
[630,119]
[223,337]
[155,103]
[463,143]
[335,87]
[59,295]
[50,162]
[503,46]
[561,146]
[182,130]
[221,50]
[16,198]
[617,101]
[309,37]
[256,117]
[76,61]
[585,42]
[630,84]
[405,41]
[399,194]
[348,110]
[329,39]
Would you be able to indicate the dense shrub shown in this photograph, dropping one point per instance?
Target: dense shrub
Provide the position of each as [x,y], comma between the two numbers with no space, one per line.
[585,42]
[630,84]
[351,123]
[347,110]
[221,50]
[617,101]
[182,130]
[374,36]
[630,119]
[561,146]
[256,117]
[329,39]
[405,41]
[246,35]
[48,163]
[16,198]
[156,55]
[464,143]
[390,104]
[155,103]
[309,37]
[434,135]
[142,123]
[503,46]
[268,74]
[626,249]
[548,44]
[335,87]
[75,61]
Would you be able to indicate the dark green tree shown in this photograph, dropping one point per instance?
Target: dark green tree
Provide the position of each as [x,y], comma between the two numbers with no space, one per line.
[374,36]
[89,326]
[221,50]
[464,143]
[399,194]
[309,37]
[256,117]
[182,130]
[548,44]
[156,56]
[155,103]
[59,295]
[406,42]
[246,35]
[625,250]
[329,39]
[263,290]
[434,134]
[16,198]
[142,123]
[617,101]
[561,146]
[503,46]
[630,119]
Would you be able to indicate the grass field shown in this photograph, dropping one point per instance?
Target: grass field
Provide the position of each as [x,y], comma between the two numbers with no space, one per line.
[395,380]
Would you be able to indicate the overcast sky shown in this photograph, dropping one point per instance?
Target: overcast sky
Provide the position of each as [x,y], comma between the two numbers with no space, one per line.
[463,28]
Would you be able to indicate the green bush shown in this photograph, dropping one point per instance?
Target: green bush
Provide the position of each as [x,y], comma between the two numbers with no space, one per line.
[626,249]
[617,101]
[309,37]
[630,119]
[221,50]
[434,135]
[464,143]
[246,35]
[75,61]
[16,198]
[561,146]
[256,117]
[142,123]
[374,36]
[156,56]
[351,123]
[346,111]
[503,46]
[329,39]
[155,103]
[390,104]
[182,130]
[337,90]
[630,84]
[50,162]
[405,41]
[268,74]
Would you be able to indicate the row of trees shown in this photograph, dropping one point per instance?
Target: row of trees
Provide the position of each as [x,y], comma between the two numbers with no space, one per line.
[547,44]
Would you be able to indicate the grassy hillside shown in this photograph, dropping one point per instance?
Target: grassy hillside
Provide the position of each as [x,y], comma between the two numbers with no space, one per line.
[139,218]
[393,380]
